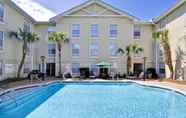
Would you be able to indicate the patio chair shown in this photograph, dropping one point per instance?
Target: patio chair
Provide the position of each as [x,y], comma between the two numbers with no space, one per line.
[141,75]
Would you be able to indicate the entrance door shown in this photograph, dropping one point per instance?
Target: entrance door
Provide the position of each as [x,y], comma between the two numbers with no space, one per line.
[138,68]
[50,69]
[103,72]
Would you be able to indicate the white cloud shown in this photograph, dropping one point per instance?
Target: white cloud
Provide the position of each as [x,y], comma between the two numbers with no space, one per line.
[34,9]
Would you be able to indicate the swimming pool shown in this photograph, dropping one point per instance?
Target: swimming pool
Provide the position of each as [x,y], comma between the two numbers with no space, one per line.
[96,100]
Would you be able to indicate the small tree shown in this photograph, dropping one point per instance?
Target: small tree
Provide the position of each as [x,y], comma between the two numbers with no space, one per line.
[129,51]
[163,38]
[26,38]
[59,38]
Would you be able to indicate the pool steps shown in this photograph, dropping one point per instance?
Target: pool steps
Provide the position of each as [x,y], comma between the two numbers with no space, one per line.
[23,99]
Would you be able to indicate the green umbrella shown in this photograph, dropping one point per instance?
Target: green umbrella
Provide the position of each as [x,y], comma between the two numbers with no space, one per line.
[104,64]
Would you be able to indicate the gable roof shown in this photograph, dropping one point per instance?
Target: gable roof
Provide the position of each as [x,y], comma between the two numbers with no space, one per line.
[99,2]
[35,10]
[35,13]
[169,11]
[21,11]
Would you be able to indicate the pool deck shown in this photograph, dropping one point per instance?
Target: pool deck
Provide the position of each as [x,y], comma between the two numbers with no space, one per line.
[178,86]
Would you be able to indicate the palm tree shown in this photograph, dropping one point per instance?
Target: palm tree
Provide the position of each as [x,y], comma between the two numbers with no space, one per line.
[129,51]
[26,38]
[59,38]
[163,38]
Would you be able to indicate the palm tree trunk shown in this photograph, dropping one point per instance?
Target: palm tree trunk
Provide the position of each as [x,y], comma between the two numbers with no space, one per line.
[22,60]
[59,55]
[129,64]
[168,60]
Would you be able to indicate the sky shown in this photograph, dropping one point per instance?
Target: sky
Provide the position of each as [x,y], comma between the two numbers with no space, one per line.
[143,9]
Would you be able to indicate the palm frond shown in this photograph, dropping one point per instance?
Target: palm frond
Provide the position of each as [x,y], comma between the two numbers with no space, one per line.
[134,47]
[13,34]
[128,50]
[120,51]
[27,37]
[139,50]
[58,37]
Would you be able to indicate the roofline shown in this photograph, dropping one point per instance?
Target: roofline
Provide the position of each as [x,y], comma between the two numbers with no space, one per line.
[122,11]
[145,22]
[174,7]
[21,11]
[90,2]
[42,23]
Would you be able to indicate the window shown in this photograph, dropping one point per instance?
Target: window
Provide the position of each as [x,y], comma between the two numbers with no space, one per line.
[94,69]
[113,49]
[1,40]
[1,68]
[75,50]
[2,14]
[137,32]
[27,27]
[113,30]
[50,29]
[75,30]
[94,30]
[75,68]
[51,50]
[94,49]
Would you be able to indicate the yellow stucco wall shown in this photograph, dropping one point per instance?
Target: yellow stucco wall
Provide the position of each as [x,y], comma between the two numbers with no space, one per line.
[11,53]
[175,23]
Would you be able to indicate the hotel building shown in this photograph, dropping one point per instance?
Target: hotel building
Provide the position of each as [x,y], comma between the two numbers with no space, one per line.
[96,30]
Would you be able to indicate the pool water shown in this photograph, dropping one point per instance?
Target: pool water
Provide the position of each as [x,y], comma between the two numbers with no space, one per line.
[99,100]
[18,104]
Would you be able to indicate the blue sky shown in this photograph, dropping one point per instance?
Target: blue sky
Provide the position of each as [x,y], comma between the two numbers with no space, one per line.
[143,9]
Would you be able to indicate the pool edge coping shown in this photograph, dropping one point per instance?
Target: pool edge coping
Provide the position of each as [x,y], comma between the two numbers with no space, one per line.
[95,81]
[26,86]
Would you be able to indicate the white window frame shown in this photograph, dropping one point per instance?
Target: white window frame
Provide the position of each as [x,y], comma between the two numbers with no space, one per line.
[75,56]
[3,13]
[90,54]
[51,28]
[134,31]
[3,42]
[110,29]
[51,55]
[92,35]
[77,36]
[26,24]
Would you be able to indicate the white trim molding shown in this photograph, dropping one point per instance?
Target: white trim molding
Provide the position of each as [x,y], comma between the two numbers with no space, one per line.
[99,2]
